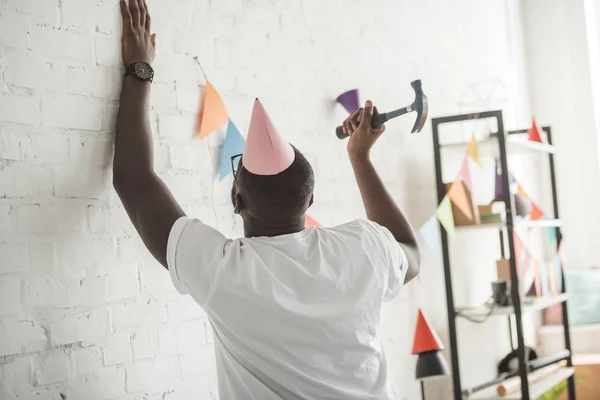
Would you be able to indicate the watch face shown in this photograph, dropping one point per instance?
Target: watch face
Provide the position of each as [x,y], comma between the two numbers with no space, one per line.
[143,70]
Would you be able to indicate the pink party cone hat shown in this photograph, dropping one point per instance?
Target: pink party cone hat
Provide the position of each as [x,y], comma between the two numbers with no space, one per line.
[266,152]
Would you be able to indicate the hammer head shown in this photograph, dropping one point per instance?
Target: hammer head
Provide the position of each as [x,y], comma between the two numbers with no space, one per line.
[420,106]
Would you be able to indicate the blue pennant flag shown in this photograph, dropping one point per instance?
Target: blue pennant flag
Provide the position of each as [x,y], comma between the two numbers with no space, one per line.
[552,235]
[430,233]
[234,144]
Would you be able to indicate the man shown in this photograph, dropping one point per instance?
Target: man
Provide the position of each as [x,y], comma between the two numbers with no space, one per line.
[294,311]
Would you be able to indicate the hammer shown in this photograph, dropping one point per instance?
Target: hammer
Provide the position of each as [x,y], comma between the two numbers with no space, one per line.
[419,106]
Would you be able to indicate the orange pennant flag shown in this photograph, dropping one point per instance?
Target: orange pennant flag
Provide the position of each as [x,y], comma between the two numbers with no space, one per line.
[458,195]
[213,112]
[473,150]
[534,133]
[310,222]
[536,213]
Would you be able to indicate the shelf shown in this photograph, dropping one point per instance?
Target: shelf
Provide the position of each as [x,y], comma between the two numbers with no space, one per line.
[536,389]
[518,223]
[535,304]
[513,145]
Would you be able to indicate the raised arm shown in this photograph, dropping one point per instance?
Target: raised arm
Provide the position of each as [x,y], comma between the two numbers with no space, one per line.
[379,205]
[147,200]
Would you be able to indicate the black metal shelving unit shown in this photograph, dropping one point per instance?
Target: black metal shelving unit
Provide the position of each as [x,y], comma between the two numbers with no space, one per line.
[515,312]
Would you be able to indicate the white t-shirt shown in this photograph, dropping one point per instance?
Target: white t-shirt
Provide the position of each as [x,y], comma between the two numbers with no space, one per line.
[294,316]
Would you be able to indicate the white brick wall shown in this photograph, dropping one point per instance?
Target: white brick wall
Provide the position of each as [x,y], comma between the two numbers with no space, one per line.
[84,310]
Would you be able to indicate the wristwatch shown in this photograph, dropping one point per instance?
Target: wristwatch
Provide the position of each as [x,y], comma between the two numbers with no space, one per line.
[141,70]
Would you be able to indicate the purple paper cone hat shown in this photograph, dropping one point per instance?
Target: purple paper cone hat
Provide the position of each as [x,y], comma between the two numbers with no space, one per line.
[349,100]
[266,153]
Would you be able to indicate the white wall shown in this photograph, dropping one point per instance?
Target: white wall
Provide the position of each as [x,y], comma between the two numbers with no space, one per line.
[84,310]
[561,83]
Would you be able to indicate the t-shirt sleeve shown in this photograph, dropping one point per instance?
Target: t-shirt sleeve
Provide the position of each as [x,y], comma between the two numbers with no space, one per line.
[195,254]
[394,259]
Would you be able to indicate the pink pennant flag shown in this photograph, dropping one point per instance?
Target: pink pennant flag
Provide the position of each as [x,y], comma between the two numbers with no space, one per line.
[266,152]
[465,173]
[310,222]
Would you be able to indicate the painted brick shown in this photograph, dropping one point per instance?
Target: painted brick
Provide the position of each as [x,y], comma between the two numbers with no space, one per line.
[170,340]
[189,98]
[19,109]
[74,257]
[41,256]
[148,374]
[20,337]
[14,256]
[10,296]
[10,145]
[93,291]
[45,148]
[61,218]
[25,181]
[50,368]
[90,152]
[47,9]
[146,313]
[86,327]
[73,45]
[47,292]
[72,112]
[163,96]
[145,344]
[78,13]
[209,332]
[180,156]
[98,219]
[17,372]
[193,389]
[176,126]
[194,335]
[96,81]
[108,50]
[198,363]
[81,183]
[118,351]
[14,30]
[85,361]
[184,308]
[28,72]
[156,280]
[107,384]
[107,17]
[123,286]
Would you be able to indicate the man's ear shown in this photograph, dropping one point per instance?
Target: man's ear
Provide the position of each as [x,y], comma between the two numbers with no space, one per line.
[239,204]
[312,200]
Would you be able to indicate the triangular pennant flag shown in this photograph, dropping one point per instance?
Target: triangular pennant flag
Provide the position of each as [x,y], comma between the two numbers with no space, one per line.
[538,287]
[527,273]
[458,195]
[499,190]
[536,213]
[543,278]
[425,337]
[429,232]
[465,173]
[349,100]
[521,191]
[444,215]
[266,152]
[551,235]
[213,112]
[518,248]
[552,281]
[473,151]
[311,222]
[233,145]
[534,133]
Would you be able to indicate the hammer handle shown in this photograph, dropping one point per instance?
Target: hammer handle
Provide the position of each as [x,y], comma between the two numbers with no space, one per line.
[375,122]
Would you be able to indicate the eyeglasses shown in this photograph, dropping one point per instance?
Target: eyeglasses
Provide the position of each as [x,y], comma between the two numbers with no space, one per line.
[235,162]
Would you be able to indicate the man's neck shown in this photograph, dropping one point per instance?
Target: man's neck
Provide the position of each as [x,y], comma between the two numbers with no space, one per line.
[255,227]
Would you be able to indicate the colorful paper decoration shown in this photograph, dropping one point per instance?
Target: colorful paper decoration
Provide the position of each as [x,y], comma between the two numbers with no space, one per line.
[444,215]
[543,278]
[311,222]
[233,145]
[551,234]
[425,337]
[534,133]
[429,233]
[213,112]
[458,195]
[465,173]
[266,153]
[473,151]
[538,284]
[349,100]
[536,213]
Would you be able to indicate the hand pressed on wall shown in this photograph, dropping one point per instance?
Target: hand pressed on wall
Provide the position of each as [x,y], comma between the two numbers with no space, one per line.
[138,44]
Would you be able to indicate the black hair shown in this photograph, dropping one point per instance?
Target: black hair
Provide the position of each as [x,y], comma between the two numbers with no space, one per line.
[281,197]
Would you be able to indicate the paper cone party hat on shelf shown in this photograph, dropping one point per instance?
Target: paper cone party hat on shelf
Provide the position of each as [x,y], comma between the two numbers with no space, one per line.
[266,152]
[425,338]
